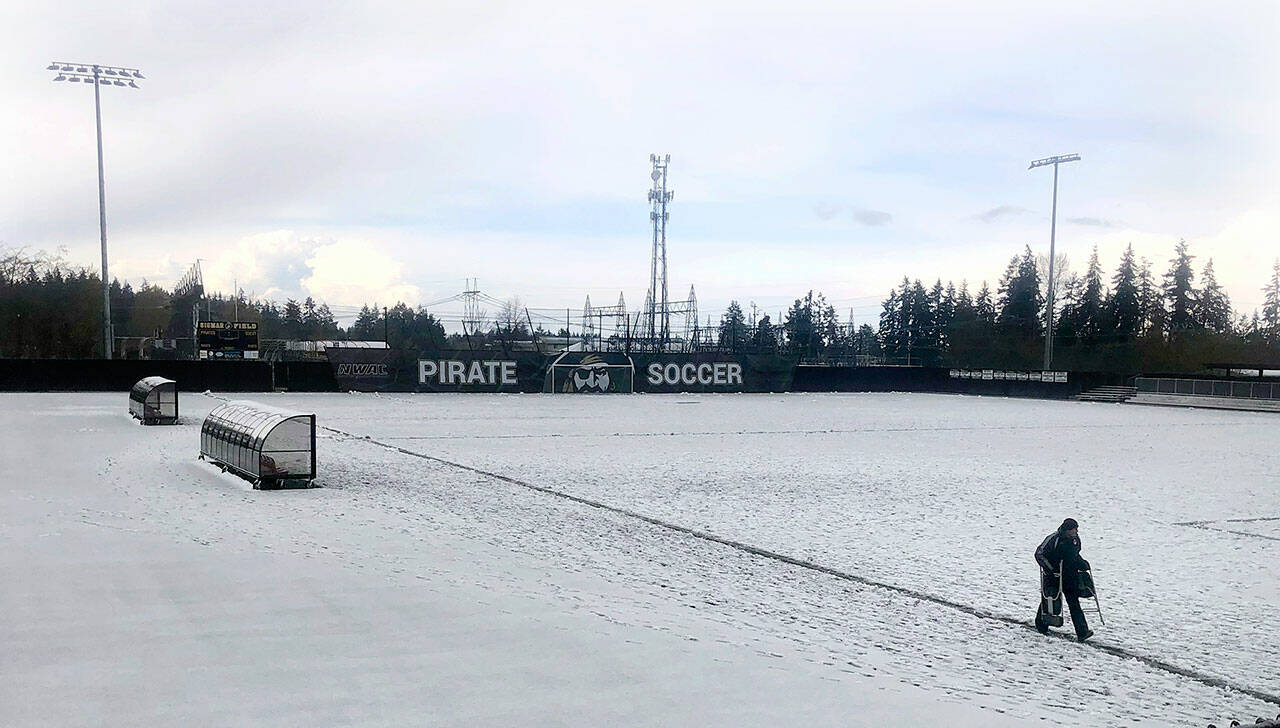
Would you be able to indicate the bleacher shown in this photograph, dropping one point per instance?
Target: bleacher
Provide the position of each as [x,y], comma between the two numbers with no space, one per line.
[1257,395]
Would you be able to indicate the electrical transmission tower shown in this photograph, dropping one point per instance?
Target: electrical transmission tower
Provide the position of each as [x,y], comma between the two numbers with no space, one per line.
[471,314]
[656,301]
[593,321]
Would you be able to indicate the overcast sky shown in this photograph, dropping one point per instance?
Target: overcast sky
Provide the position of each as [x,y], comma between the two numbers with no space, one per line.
[362,152]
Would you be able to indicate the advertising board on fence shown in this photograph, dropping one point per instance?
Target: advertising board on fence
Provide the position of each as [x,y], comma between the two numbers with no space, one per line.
[711,372]
[1005,376]
[392,370]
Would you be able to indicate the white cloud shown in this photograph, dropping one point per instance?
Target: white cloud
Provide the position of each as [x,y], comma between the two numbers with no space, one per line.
[269,265]
[353,271]
[286,264]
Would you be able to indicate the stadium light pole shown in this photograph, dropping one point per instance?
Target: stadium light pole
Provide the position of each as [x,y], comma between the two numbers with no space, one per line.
[99,76]
[1053,228]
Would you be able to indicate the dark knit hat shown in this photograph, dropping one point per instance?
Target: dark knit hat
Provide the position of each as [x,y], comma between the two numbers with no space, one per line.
[1068,524]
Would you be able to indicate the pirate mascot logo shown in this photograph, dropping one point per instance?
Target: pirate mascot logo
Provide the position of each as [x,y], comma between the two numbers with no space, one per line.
[575,372]
[591,376]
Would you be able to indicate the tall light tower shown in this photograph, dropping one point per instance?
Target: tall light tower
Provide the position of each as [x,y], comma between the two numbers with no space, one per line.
[99,76]
[659,196]
[1053,228]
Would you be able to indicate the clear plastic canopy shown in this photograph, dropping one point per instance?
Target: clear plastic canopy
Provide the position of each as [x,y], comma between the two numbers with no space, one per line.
[154,401]
[261,443]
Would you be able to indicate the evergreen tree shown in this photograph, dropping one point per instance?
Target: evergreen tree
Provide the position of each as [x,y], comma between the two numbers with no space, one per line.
[799,326]
[1151,300]
[906,330]
[1213,310]
[291,320]
[763,338]
[367,326]
[826,325]
[310,320]
[327,323]
[963,330]
[733,334]
[1271,306]
[1179,291]
[427,333]
[1124,306]
[921,329]
[890,323]
[865,342]
[984,308]
[1020,301]
[964,301]
[1089,319]
[272,325]
[931,340]
[1065,327]
[945,314]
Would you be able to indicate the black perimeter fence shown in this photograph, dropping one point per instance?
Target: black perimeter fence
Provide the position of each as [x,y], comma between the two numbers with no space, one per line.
[38,375]
[119,375]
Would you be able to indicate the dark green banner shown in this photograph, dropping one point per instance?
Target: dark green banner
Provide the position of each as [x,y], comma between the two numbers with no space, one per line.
[711,372]
[394,370]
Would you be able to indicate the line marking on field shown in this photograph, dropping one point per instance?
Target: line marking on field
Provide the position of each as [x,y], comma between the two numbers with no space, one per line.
[1155,663]
[1210,526]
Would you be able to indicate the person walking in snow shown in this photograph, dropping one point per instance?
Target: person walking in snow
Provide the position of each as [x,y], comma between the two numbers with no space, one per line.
[1059,558]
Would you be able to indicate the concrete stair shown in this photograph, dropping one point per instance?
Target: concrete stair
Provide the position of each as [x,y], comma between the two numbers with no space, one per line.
[1116,394]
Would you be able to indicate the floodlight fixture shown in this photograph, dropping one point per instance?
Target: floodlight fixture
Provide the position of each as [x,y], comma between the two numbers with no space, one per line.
[96,75]
[1053,229]
[1060,159]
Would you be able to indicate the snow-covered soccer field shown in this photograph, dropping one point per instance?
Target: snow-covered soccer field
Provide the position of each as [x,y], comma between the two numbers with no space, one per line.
[449,571]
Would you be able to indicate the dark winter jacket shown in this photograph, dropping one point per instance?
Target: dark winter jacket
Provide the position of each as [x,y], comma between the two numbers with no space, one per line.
[1060,549]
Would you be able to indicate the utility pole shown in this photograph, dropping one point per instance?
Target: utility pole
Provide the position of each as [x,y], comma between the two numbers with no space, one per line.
[1053,227]
[386,328]
[99,76]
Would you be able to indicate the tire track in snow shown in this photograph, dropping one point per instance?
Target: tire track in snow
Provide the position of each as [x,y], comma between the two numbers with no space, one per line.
[829,431]
[1152,662]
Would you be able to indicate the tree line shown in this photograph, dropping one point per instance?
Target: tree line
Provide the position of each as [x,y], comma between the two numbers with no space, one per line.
[51,309]
[1131,321]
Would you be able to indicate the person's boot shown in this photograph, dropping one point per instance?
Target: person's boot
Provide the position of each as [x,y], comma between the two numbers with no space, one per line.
[1087,634]
[1041,626]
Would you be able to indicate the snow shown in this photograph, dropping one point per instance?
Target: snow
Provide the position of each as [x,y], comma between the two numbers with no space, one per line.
[438,578]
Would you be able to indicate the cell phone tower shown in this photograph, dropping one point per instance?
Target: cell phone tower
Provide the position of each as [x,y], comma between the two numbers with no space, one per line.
[659,314]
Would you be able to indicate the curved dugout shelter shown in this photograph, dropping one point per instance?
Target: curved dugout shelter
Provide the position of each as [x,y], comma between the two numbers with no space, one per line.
[267,446]
[154,401]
